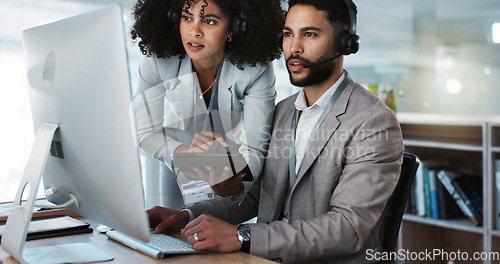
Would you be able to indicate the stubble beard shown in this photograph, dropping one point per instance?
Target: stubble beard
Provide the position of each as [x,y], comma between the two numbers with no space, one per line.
[317,74]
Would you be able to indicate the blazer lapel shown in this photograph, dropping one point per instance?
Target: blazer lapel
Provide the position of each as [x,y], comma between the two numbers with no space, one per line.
[281,174]
[225,97]
[181,107]
[325,131]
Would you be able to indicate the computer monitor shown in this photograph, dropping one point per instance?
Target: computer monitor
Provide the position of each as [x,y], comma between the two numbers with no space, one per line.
[80,94]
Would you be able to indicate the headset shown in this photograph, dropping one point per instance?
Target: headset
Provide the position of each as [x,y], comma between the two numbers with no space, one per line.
[240,23]
[239,26]
[173,17]
[348,40]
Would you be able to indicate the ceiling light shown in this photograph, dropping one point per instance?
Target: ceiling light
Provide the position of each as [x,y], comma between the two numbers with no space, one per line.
[487,71]
[453,86]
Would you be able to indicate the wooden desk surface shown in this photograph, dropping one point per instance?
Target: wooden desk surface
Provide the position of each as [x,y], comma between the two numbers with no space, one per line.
[127,255]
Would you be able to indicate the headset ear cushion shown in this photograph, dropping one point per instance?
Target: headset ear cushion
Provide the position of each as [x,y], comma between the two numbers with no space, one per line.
[343,44]
[173,18]
[353,43]
[239,26]
[243,26]
[348,43]
[236,27]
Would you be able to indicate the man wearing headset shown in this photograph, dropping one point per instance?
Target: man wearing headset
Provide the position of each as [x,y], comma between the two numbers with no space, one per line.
[333,161]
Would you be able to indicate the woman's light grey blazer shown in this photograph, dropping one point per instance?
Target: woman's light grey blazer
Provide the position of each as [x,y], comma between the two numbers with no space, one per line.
[171,85]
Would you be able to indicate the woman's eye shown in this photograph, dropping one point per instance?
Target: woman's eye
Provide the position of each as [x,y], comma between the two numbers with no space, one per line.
[186,18]
[210,21]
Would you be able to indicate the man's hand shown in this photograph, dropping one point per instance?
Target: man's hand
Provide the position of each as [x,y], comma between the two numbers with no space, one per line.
[213,234]
[162,219]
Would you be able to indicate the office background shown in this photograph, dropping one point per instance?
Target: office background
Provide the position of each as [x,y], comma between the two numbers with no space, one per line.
[437,56]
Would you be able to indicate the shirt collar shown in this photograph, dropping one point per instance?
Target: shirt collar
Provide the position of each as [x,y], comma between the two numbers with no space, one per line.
[300,101]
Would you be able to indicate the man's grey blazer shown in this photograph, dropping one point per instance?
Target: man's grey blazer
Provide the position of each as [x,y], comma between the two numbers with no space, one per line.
[344,183]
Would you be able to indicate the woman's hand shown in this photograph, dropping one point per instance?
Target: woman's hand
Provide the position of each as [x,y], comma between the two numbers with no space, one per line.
[224,184]
[231,187]
[205,141]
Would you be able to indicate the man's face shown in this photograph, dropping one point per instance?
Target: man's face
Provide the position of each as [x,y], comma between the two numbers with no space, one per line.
[308,36]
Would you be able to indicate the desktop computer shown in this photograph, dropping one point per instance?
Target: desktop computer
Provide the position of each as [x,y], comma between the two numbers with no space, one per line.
[80,94]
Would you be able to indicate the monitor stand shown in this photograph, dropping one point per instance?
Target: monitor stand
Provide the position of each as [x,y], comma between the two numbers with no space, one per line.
[18,221]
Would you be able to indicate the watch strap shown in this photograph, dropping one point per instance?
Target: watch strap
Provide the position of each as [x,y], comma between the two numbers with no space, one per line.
[244,231]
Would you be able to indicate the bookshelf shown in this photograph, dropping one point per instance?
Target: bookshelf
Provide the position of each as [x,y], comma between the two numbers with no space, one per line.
[494,197]
[469,143]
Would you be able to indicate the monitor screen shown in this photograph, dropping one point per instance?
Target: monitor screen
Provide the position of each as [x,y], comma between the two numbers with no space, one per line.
[79,79]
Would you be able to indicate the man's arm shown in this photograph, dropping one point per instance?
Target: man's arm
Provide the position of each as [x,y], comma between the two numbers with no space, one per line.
[162,219]
[226,209]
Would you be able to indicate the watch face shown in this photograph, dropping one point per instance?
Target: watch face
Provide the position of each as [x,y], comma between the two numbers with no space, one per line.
[244,233]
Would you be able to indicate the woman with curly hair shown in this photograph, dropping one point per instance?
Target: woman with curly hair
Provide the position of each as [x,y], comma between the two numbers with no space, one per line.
[207,62]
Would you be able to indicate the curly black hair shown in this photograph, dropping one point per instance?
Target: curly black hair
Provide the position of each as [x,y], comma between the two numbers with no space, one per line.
[158,34]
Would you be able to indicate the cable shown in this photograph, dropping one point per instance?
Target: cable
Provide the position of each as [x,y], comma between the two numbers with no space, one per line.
[4,212]
[71,201]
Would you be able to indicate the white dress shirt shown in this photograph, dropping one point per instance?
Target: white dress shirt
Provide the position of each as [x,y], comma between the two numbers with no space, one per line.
[309,118]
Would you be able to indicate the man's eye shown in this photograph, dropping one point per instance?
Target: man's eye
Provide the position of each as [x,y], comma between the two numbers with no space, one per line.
[186,18]
[287,34]
[309,34]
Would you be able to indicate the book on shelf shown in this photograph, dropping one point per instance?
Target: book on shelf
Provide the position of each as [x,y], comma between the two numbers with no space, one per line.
[419,191]
[434,202]
[466,190]
[496,169]
[427,191]
[424,193]
[448,208]
[412,201]
[442,204]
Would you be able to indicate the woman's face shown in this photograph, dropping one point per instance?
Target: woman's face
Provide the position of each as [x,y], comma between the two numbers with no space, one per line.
[204,38]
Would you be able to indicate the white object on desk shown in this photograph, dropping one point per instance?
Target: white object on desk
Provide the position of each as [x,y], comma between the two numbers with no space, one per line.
[66,253]
[103,228]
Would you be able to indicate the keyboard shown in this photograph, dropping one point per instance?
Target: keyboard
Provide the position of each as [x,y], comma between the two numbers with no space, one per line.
[158,246]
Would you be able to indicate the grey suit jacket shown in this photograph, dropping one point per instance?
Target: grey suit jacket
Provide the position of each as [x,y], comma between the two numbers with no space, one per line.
[247,95]
[341,190]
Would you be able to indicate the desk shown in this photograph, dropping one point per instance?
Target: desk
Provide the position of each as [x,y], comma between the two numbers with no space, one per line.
[124,254]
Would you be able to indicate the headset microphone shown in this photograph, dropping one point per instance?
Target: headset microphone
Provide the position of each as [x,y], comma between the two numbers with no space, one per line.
[312,64]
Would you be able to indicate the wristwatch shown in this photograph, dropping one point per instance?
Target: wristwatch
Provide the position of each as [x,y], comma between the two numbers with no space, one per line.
[244,237]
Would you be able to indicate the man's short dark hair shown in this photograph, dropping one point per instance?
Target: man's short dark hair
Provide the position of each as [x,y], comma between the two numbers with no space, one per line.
[337,10]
